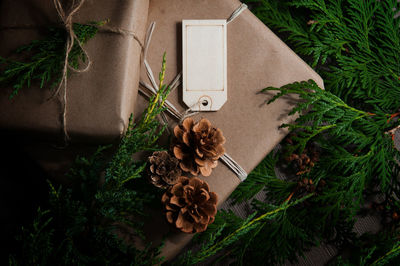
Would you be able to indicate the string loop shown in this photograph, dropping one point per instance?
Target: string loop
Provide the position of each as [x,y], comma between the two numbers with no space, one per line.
[171,109]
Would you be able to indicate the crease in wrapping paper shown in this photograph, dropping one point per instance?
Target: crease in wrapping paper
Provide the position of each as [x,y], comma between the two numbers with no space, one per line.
[256,59]
[100,100]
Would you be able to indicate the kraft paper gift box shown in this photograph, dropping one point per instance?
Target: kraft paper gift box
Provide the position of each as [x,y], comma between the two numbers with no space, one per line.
[256,59]
[99,101]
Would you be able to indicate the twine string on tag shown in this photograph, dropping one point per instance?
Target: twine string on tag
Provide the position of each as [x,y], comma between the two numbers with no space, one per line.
[189,112]
[148,90]
[234,166]
[236,13]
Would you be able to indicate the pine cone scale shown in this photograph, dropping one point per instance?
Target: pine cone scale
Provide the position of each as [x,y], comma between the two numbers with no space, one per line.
[187,124]
[175,200]
[178,152]
[200,227]
[177,190]
[210,210]
[200,162]
[183,224]
[203,126]
[199,153]
[204,196]
[170,217]
[205,171]
[186,139]
[178,132]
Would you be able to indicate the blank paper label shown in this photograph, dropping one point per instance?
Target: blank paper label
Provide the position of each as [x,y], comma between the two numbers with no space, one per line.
[204,64]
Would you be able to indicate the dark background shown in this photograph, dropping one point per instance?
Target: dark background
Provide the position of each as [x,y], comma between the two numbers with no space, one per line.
[23,187]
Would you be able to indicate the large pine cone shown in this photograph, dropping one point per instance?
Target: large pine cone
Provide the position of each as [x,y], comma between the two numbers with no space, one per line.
[198,146]
[189,205]
[164,169]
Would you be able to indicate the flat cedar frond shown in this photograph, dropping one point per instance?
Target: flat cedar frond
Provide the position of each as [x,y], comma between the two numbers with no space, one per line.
[371,150]
[261,176]
[358,154]
[353,44]
[44,58]
[233,238]
[392,253]
[36,241]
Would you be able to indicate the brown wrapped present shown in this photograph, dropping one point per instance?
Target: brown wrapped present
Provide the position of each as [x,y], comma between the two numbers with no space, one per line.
[257,58]
[99,101]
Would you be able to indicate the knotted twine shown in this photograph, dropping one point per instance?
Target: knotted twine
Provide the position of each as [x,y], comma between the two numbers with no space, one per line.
[67,23]
[66,19]
[171,109]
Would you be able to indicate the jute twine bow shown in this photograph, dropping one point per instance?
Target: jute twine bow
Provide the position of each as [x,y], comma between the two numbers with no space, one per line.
[171,109]
[67,23]
[66,18]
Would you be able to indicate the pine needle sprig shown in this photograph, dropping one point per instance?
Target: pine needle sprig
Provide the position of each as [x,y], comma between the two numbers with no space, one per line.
[36,241]
[42,60]
[246,227]
[372,152]
[263,175]
[392,253]
[329,113]
[98,218]
[139,137]
[354,45]
[374,250]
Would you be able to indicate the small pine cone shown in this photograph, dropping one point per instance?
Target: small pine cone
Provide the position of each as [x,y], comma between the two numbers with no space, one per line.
[198,146]
[190,205]
[307,185]
[164,169]
[292,157]
[304,162]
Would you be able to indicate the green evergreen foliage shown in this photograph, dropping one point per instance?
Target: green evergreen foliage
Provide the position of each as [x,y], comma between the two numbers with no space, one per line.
[262,176]
[393,253]
[43,60]
[96,219]
[373,250]
[240,235]
[354,141]
[354,45]
[36,242]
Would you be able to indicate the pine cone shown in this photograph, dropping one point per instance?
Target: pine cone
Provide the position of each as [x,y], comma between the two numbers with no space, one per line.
[303,163]
[198,146]
[189,205]
[307,185]
[164,169]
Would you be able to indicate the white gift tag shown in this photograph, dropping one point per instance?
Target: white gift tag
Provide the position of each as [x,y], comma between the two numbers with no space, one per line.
[204,64]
